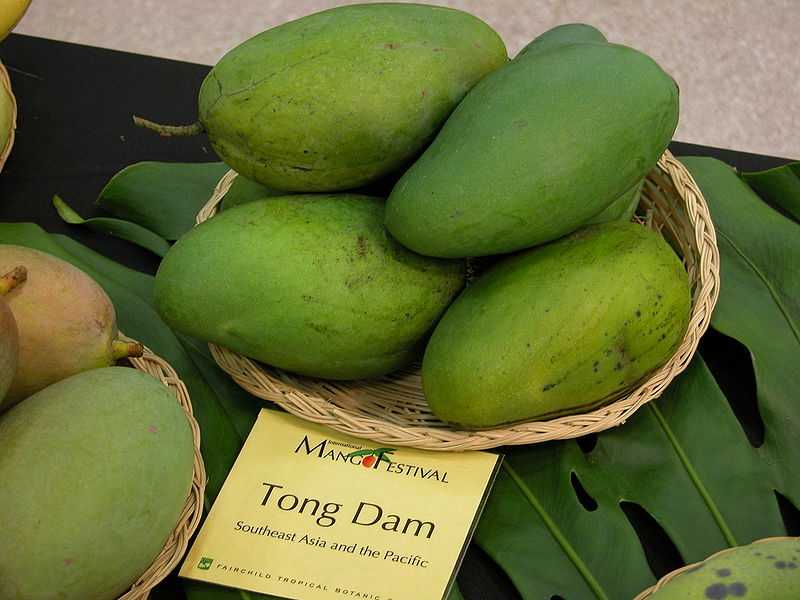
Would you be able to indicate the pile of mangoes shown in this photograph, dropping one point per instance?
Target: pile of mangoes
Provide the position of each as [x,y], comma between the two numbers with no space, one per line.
[96,460]
[403,142]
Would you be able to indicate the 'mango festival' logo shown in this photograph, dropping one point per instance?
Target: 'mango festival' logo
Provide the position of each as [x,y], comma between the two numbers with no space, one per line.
[371,457]
[329,449]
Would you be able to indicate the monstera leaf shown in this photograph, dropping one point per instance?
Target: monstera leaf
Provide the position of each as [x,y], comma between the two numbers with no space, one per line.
[562,521]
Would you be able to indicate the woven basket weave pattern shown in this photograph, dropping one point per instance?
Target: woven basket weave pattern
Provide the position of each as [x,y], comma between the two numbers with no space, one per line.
[670,576]
[392,409]
[177,543]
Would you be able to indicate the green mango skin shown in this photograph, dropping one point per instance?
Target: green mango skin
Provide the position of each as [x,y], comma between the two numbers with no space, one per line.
[624,207]
[762,571]
[557,329]
[621,209]
[337,99]
[306,283]
[96,470]
[563,34]
[535,150]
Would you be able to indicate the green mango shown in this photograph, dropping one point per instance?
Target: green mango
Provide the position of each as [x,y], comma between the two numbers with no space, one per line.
[337,99]
[768,570]
[96,470]
[535,150]
[621,209]
[568,33]
[558,329]
[307,283]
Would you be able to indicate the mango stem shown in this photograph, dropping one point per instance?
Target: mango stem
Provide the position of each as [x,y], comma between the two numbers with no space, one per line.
[170,130]
[12,279]
[120,349]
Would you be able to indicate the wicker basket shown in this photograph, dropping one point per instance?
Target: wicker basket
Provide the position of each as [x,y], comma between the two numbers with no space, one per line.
[175,547]
[392,410]
[670,576]
[5,84]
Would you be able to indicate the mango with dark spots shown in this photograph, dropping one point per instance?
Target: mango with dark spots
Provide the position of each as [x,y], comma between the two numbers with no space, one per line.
[558,329]
[308,283]
[96,470]
[768,570]
[340,98]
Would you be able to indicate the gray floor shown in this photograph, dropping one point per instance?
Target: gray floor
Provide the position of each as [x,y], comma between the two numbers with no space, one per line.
[737,62]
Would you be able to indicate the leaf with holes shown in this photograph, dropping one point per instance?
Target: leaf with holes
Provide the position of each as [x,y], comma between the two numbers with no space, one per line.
[680,480]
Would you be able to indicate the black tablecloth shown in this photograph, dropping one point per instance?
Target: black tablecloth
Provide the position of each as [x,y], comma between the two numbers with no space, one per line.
[75,131]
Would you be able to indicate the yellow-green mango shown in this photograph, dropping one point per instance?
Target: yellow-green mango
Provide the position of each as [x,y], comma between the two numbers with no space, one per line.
[308,283]
[768,570]
[337,99]
[96,470]
[535,150]
[66,322]
[558,329]
[9,334]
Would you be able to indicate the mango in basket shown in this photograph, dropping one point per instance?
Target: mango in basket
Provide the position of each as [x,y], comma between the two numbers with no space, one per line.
[337,99]
[535,150]
[569,33]
[66,322]
[308,283]
[623,208]
[767,570]
[96,470]
[9,334]
[558,329]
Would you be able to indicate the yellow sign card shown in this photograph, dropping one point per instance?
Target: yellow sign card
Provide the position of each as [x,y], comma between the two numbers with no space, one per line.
[310,513]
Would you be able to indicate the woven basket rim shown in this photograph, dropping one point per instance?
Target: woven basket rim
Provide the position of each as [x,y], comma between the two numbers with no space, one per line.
[282,388]
[177,543]
[5,83]
[673,574]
